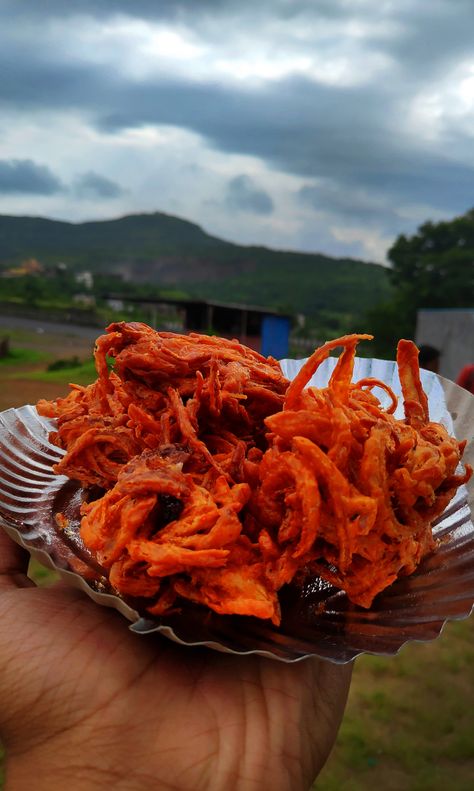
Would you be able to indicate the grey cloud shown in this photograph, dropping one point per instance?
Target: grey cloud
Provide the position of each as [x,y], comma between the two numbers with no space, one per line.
[352,206]
[432,37]
[317,236]
[99,8]
[92,184]
[35,80]
[347,139]
[421,37]
[347,134]
[25,176]
[177,9]
[244,195]
[422,34]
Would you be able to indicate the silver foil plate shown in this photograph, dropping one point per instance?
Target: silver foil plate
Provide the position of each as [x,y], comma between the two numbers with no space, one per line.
[317,619]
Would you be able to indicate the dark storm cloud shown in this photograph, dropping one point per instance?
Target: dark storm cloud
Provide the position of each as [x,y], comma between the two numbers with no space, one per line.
[347,134]
[346,141]
[149,9]
[90,185]
[38,79]
[423,34]
[323,132]
[173,9]
[295,123]
[432,37]
[244,195]
[25,176]
[352,205]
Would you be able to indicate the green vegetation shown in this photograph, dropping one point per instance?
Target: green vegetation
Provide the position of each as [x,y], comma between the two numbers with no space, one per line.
[156,255]
[22,364]
[22,356]
[65,363]
[81,373]
[25,362]
[296,282]
[139,236]
[40,574]
[431,269]
[409,720]
[408,724]
[159,256]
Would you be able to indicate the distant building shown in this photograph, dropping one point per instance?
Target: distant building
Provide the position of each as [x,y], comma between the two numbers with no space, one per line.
[451,330]
[31,266]
[84,279]
[115,303]
[262,329]
[85,300]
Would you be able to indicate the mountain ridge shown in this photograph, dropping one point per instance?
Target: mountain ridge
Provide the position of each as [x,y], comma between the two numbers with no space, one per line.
[162,249]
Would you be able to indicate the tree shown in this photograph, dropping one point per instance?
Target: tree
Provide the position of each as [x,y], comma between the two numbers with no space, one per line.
[434,268]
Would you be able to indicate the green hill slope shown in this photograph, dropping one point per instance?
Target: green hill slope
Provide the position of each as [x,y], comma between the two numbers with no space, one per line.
[173,253]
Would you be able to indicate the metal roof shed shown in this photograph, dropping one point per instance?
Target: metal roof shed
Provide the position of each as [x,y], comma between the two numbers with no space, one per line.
[263,329]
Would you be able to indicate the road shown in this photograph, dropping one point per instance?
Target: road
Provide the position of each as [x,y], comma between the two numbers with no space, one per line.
[53,341]
[50,327]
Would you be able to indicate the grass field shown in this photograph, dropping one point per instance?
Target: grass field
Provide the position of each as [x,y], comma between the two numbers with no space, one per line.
[24,377]
[19,356]
[81,374]
[409,722]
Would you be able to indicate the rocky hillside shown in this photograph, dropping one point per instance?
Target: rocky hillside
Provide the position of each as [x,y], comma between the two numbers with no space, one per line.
[173,253]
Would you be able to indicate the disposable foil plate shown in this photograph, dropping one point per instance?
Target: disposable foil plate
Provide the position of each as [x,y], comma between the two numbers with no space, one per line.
[317,619]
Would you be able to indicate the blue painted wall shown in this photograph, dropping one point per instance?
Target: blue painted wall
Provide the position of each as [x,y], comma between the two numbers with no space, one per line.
[275,336]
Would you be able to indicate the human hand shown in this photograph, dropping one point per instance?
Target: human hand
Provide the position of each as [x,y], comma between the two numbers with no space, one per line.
[86,704]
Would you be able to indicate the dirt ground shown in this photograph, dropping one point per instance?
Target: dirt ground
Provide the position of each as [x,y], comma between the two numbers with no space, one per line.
[16,392]
[15,389]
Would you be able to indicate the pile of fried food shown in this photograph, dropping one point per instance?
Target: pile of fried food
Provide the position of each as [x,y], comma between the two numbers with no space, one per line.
[213,479]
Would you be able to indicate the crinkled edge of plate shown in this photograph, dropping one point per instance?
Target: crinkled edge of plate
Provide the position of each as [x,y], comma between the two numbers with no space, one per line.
[449,404]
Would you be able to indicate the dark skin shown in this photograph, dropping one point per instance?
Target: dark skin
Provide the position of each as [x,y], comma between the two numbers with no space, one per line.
[86,704]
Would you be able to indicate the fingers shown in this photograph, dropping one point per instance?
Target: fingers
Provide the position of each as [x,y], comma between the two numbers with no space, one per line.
[13,564]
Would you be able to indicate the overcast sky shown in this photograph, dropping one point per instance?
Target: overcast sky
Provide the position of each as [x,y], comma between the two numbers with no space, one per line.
[322,125]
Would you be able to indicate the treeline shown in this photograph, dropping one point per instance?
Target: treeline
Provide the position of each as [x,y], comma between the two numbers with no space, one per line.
[434,268]
[163,252]
[60,287]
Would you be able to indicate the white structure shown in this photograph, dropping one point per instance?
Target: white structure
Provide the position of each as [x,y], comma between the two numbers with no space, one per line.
[115,304]
[85,278]
[451,330]
[86,300]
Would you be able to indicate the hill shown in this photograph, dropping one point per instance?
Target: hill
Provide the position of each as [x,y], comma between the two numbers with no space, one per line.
[173,253]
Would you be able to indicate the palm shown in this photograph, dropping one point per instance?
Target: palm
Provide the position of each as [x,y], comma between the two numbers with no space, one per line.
[153,714]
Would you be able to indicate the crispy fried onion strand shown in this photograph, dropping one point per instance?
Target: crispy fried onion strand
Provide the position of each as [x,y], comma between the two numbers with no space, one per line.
[221,482]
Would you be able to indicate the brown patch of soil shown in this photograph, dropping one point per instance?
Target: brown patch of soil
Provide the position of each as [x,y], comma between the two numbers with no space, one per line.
[16,392]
